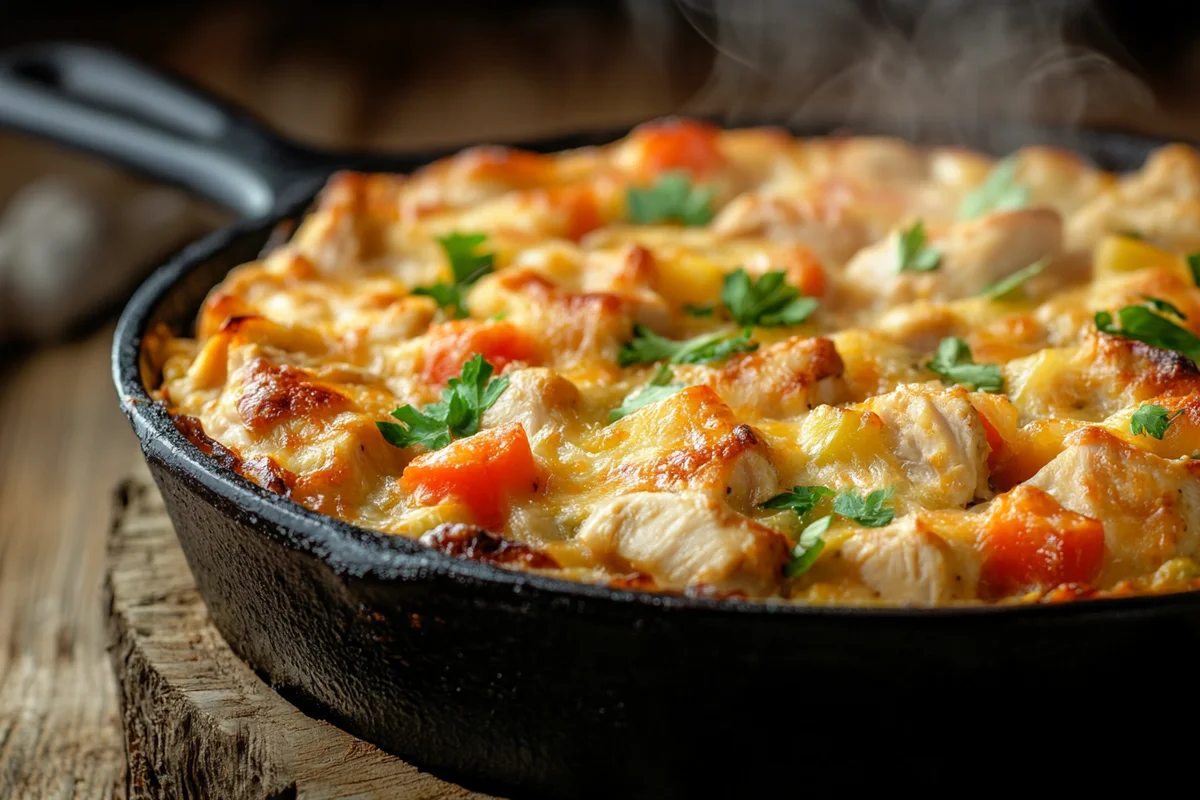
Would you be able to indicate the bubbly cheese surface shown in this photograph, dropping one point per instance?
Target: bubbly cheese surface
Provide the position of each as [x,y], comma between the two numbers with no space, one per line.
[1039,489]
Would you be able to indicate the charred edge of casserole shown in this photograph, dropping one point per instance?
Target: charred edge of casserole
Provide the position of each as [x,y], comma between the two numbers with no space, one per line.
[261,469]
[477,544]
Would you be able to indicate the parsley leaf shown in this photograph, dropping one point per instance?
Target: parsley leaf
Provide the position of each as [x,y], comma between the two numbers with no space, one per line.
[700,311]
[801,499]
[1135,235]
[648,347]
[464,400]
[1152,421]
[998,192]
[809,546]
[660,387]
[1141,324]
[954,364]
[1006,287]
[767,300]
[671,199]
[467,266]
[1158,304]
[869,511]
[1193,262]
[914,255]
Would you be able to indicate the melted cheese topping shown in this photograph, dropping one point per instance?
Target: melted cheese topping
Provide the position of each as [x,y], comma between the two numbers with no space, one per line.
[1039,493]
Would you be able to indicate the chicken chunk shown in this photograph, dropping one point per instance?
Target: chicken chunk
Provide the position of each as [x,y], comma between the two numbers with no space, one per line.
[685,540]
[1150,506]
[1100,377]
[940,441]
[543,402]
[785,379]
[974,254]
[691,440]
[1161,201]
[906,562]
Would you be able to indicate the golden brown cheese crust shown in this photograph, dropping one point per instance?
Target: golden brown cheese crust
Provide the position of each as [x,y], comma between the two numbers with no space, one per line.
[998,497]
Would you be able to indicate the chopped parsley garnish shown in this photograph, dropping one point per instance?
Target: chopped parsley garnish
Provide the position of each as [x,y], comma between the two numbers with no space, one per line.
[648,347]
[466,264]
[1152,421]
[801,499]
[954,364]
[1007,287]
[671,199]
[463,402]
[700,311]
[1158,304]
[999,192]
[807,548]
[869,511]
[768,300]
[914,255]
[660,387]
[1193,262]
[1136,236]
[1142,324]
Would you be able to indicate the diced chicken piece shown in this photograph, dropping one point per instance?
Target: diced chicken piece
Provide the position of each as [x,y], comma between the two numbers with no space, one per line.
[908,563]
[690,440]
[974,254]
[1100,377]
[685,540]
[543,402]
[831,230]
[1150,506]
[573,326]
[781,380]
[1161,202]
[940,440]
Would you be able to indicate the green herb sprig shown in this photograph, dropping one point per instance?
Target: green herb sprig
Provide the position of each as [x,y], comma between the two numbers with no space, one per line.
[954,364]
[914,255]
[671,199]
[1147,323]
[467,266]
[1152,421]
[647,347]
[659,388]
[999,192]
[464,400]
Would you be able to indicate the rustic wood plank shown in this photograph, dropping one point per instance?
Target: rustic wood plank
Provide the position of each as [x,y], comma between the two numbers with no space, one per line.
[198,721]
[61,441]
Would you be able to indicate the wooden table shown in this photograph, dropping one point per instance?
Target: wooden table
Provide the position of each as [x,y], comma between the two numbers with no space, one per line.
[63,442]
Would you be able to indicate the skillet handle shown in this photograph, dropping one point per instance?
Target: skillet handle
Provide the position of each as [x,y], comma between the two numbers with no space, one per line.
[97,101]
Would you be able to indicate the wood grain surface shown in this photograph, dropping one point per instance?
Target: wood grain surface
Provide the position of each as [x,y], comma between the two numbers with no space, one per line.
[338,80]
[198,722]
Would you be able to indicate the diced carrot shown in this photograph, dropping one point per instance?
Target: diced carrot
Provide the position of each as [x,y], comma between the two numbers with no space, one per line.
[810,278]
[481,471]
[452,343]
[994,440]
[582,213]
[679,144]
[1029,541]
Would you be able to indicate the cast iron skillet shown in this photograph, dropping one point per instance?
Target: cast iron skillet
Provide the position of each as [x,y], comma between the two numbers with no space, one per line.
[530,686]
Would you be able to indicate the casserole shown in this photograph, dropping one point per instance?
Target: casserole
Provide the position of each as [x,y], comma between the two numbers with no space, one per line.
[523,683]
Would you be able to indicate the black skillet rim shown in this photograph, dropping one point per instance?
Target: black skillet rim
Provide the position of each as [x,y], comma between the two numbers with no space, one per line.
[374,556]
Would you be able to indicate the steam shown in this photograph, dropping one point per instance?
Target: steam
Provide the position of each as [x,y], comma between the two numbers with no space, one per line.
[909,64]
